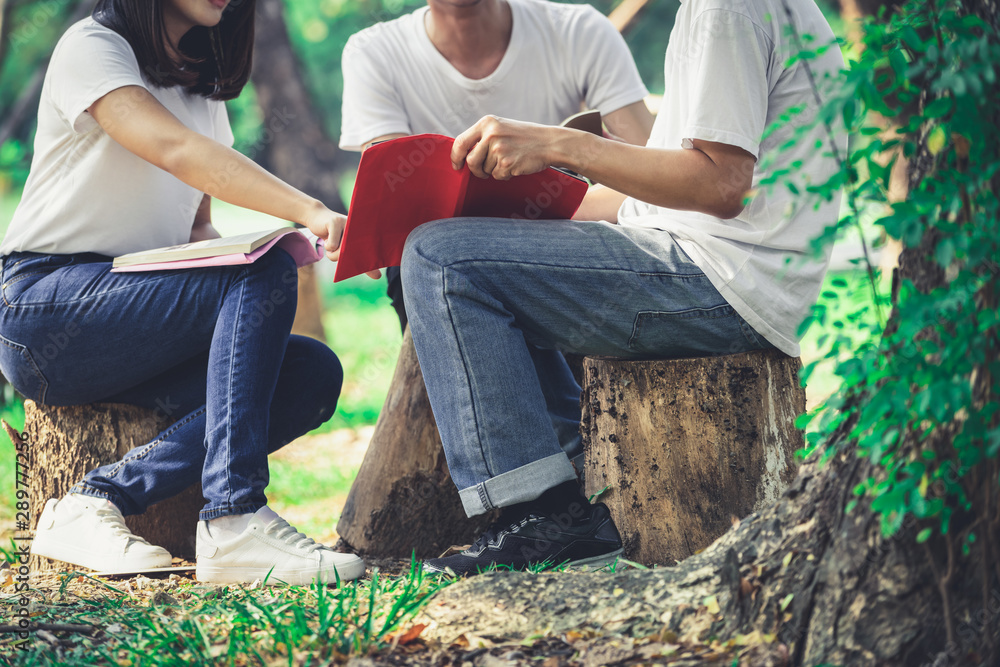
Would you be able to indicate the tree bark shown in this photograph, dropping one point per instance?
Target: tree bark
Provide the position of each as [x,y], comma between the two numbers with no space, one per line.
[65,443]
[695,443]
[403,499]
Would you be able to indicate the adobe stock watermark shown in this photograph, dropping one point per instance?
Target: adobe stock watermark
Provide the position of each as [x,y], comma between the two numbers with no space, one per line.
[19,622]
[29,26]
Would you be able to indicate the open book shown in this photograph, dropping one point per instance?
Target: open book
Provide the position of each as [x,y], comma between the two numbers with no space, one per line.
[405,182]
[304,247]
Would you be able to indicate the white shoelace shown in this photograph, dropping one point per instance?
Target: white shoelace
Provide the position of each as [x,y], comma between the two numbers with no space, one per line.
[282,530]
[113,519]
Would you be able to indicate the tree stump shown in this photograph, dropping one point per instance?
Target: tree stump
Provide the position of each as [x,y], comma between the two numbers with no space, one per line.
[65,443]
[403,499]
[684,446]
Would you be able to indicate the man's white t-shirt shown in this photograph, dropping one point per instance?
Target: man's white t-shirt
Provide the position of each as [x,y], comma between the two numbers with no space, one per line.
[85,193]
[727,81]
[559,56]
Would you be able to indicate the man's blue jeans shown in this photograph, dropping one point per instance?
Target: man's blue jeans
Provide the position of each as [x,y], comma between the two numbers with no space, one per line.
[208,347]
[481,292]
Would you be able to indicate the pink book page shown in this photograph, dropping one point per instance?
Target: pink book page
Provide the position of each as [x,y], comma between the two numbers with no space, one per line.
[304,250]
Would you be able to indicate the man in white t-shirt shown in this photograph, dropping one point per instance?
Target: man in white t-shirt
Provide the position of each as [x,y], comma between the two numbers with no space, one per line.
[704,259]
[446,65]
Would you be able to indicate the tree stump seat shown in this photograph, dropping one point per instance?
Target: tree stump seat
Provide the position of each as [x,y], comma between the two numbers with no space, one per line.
[684,446]
[64,443]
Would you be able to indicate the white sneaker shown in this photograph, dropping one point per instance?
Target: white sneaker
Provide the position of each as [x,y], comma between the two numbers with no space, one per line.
[270,549]
[90,532]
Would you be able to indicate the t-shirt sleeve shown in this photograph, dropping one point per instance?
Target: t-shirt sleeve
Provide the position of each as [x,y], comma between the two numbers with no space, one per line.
[221,129]
[372,106]
[87,65]
[727,97]
[605,69]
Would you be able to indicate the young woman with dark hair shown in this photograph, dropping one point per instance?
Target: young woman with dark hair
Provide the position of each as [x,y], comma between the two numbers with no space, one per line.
[132,143]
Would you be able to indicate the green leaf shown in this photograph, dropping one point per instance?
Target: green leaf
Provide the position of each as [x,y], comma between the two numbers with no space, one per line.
[924,535]
[938,107]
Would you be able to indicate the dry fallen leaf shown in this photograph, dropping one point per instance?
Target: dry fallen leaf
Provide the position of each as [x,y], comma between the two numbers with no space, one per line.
[412,634]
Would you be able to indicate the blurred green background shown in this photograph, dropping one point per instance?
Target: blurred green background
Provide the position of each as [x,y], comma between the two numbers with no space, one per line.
[360,324]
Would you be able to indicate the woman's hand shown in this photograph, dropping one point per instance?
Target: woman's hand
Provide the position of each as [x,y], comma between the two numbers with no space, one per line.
[325,224]
[503,148]
[329,226]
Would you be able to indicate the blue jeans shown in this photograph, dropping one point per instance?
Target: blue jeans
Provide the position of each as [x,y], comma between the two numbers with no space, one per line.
[208,347]
[481,292]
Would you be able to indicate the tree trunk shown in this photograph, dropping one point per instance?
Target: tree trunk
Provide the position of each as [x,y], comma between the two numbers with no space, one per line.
[65,443]
[695,443]
[825,583]
[403,499]
[294,145]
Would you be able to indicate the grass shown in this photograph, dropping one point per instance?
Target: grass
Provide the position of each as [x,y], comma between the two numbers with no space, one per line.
[141,622]
[362,328]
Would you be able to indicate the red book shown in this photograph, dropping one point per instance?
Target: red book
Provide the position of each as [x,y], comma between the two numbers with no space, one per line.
[405,182]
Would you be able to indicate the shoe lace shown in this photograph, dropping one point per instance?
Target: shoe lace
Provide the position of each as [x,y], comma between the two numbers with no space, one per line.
[490,534]
[113,520]
[287,533]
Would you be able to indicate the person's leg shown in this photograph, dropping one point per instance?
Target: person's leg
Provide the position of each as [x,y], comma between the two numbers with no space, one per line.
[305,397]
[127,328]
[562,400]
[479,293]
[562,393]
[394,290]
[115,332]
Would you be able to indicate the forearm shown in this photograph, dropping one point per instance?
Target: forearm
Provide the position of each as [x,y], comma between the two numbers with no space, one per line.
[683,179]
[223,173]
[601,203]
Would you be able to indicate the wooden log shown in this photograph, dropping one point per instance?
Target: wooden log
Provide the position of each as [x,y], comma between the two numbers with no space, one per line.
[403,499]
[65,443]
[685,445]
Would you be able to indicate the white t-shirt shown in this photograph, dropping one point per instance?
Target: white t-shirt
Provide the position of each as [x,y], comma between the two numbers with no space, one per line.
[559,56]
[85,193]
[726,81]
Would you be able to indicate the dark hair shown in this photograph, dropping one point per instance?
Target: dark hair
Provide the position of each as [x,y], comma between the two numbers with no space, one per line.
[215,62]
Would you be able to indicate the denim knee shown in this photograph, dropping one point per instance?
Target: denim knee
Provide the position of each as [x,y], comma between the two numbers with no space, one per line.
[280,266]
[327,376]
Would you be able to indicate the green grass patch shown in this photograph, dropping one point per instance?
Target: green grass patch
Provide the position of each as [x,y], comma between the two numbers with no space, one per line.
[187,623]
[362,328]
[12,411]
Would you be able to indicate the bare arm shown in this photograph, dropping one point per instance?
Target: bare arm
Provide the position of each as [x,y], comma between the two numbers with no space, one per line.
[632,123]
[712,178]
[136,120]
[600,203]
[202,228]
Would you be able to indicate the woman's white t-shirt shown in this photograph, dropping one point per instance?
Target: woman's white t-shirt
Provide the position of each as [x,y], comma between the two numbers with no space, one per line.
[85,193]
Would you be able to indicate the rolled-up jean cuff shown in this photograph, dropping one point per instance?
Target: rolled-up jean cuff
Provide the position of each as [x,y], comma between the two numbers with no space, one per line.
[518,485]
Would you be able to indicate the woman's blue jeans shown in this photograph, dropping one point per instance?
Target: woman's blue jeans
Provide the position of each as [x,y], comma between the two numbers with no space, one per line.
[209,347]
[481,293]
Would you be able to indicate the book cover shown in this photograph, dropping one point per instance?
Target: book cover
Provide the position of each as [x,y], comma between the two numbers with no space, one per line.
[405,182]
[304,247]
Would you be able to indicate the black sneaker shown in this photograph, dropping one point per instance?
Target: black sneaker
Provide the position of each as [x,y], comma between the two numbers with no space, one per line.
[537,540]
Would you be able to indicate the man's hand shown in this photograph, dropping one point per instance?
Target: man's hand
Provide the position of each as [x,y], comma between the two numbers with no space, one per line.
[501,148]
